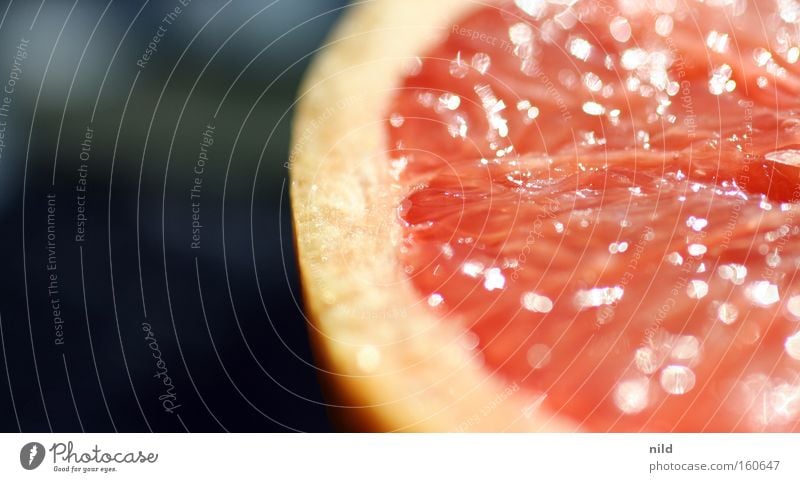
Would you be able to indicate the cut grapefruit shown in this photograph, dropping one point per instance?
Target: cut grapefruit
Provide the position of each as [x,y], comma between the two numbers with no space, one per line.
[550,215]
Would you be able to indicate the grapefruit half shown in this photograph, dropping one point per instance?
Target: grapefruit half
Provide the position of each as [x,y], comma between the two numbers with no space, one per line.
[541,215]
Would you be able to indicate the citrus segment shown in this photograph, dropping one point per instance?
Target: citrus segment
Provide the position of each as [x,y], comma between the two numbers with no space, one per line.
[604,198]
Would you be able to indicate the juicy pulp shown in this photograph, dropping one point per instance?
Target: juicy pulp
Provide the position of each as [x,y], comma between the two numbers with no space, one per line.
[605,198]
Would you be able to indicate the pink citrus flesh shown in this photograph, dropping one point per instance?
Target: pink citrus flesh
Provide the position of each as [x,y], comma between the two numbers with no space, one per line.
[604,198]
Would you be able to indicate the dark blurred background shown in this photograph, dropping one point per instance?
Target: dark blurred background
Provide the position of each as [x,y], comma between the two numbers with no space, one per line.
[149,281]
